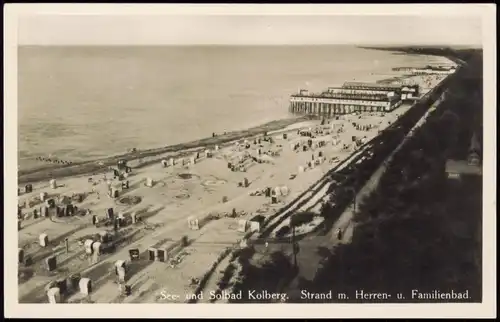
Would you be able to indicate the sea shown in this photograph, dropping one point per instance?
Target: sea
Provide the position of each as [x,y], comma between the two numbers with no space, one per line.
[80,103]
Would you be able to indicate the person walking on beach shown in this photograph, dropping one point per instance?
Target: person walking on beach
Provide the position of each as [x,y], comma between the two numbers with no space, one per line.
[339,234]
[96,192]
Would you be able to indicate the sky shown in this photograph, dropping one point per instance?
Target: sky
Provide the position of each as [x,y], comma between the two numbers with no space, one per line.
[51,29]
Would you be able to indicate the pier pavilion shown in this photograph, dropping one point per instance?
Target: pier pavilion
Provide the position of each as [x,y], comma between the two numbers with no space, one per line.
[372,86]
[407,92]
[429,69]
[331,103]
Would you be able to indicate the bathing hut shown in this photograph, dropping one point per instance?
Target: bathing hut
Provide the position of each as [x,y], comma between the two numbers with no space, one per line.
[87,245]
[120,221]
[51,263]
[54,295]
[125,184]
[254,226]
[110,213]
[96,248]
[53,184]
[149,182]
[113,192]
[152,253]
[62,284]
[28,188]
[242,226]
[134,217]
[134,254]
[164,163]
[69,210]
[20,255]
[85,286]
[162,255]
[43,240]
[73,282]
[193,223]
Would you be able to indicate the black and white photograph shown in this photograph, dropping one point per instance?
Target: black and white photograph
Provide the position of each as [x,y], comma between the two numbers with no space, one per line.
[250,157]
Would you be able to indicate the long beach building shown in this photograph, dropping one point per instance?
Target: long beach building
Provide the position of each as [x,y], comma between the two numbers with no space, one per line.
[431,70]
[353,97]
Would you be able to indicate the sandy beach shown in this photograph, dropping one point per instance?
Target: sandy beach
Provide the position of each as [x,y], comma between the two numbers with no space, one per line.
[161,197]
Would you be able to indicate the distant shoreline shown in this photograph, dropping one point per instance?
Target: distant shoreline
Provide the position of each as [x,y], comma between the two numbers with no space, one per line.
[448,52]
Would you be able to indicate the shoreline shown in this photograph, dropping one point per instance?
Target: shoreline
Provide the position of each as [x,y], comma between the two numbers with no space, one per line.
[58,171]
[94,166]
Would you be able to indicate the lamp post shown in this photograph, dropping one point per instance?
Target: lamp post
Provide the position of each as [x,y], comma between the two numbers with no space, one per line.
[293,242]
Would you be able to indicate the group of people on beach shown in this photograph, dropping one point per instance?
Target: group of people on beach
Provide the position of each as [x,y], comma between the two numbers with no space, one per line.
[53,160]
